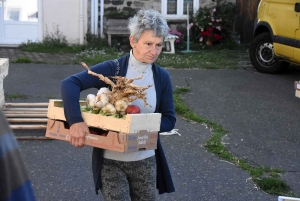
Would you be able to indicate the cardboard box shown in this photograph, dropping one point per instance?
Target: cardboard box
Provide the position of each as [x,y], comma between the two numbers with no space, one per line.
[132,123]
[120,142]
[297,88]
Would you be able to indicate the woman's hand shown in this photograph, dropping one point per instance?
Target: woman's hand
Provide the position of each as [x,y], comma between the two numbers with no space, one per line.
[77,134]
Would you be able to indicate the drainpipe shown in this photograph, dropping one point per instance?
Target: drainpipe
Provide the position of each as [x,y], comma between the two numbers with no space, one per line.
[92,17]
[40,20]
[96,17]
[101,18]
[81,20]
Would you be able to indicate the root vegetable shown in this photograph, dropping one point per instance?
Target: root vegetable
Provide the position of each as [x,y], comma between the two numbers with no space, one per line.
[120,105]
[99,104]
[109,109]
[104,90]
[123,89]
[90,101]
[103,98]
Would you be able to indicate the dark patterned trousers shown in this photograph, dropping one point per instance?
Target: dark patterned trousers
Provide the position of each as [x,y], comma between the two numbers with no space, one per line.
[130,180]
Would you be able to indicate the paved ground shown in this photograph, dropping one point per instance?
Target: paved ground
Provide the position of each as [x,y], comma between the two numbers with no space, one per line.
[259,111]
[14,53]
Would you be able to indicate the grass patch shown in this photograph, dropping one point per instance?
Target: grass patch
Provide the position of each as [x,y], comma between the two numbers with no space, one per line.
[97,50]
[212,58]
[94,56]
[15,96]
[272,185]
[45,48]
[204,59]
[267,179]
[22,60]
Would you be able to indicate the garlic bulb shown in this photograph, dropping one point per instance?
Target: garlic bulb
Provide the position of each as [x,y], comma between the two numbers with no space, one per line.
[103,98]
[99,104]
[104,90]
[121,105]
[90,101]
[109,109]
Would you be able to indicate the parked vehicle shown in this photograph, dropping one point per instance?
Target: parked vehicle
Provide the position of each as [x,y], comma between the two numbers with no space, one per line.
[276,41]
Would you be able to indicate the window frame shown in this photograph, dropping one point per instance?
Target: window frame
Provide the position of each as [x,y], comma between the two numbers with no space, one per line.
[180,6]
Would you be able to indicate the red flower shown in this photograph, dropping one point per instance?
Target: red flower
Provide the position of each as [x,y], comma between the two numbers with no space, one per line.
[217,37]
[209,34]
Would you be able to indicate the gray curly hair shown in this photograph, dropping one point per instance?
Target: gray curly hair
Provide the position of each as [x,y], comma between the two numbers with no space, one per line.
[148,20]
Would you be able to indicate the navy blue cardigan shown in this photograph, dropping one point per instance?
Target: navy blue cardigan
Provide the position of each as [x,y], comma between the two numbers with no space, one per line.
[74,84]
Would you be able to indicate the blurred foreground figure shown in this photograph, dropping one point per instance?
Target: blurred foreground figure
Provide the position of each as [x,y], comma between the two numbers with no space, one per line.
[15,184]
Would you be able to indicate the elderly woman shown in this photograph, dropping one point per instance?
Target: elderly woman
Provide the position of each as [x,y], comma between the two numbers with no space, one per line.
[135,175]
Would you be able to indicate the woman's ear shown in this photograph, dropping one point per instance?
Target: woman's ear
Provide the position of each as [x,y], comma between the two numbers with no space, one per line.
[132,41]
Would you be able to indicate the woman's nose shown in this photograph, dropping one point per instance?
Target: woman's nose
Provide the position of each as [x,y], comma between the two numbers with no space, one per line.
[153,50]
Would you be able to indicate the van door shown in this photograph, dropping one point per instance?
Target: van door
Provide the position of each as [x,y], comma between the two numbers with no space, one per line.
[297,35]
[284,21]
[18,22]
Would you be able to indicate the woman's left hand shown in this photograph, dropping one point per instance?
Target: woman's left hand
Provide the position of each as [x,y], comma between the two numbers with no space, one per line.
[78,131]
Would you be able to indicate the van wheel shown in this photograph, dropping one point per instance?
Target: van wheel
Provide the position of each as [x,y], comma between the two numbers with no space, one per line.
[262,55]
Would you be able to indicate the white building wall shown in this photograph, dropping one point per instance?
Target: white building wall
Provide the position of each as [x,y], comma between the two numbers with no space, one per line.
[69,15]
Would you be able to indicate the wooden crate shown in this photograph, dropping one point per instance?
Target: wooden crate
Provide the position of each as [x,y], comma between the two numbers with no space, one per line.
[132,123]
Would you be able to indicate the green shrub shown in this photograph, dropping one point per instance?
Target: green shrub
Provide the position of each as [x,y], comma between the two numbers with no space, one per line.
[95,42]
[55,39]
[22,60]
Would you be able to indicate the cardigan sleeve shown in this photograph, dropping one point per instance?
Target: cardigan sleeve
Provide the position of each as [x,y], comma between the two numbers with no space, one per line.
[166,107]
[74,84]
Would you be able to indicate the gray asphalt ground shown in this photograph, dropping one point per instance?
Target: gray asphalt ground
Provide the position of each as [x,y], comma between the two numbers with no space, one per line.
[259,111]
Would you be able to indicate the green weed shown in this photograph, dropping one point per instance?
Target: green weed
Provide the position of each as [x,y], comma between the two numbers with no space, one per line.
[22,60]
[15,96]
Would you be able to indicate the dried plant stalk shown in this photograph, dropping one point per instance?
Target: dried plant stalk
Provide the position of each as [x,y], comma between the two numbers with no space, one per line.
[101,77]
[123,89]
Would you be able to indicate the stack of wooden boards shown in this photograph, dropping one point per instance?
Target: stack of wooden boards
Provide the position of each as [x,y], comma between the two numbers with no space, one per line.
[26,115]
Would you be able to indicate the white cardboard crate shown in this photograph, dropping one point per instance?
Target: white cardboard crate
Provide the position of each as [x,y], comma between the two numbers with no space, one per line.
[2,99]
[3,67]
[284,198]
[133,123]
[297,88]
[115,141]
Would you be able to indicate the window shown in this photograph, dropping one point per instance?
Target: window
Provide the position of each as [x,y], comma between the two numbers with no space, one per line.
[12,15]
[177,9]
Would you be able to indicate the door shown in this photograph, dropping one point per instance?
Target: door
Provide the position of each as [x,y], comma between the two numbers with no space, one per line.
[297,38]
[18,22]
[284,21]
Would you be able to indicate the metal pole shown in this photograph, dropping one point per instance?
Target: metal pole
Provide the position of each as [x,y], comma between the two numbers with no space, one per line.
[188,30]
[92,17]
[101,18]
[96,14]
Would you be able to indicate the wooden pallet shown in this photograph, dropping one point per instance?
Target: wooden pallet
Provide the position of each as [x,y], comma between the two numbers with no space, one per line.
[26,115]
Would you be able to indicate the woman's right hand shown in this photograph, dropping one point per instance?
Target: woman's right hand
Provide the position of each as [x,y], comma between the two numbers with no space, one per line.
[78,131]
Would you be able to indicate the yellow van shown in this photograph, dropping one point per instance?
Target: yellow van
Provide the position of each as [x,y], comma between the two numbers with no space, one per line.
[276,41]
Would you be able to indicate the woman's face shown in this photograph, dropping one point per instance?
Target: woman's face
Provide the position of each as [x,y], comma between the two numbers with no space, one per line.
[147,48]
